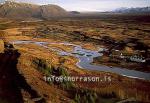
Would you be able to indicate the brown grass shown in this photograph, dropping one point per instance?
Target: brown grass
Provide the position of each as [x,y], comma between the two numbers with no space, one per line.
[1,46]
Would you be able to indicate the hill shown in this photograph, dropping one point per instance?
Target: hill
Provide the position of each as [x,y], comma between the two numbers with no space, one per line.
[16,10]
[48,11]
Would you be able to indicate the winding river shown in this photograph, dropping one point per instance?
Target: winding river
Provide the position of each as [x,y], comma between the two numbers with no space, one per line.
[86,58]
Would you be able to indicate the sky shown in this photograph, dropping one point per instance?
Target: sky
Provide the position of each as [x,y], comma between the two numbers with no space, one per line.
[92,5]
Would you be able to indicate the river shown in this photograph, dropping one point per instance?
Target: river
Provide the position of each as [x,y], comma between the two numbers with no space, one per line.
[86,58]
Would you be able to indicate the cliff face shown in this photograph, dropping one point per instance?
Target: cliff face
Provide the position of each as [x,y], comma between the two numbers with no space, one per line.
[15,10]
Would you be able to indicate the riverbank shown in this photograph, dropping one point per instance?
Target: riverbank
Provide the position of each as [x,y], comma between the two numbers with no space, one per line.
[115,62]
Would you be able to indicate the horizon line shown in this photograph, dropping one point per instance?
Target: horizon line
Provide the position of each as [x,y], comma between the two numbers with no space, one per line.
[113,9]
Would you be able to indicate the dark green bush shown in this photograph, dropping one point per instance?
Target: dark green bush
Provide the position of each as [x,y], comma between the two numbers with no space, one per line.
[44,67]
[85,96]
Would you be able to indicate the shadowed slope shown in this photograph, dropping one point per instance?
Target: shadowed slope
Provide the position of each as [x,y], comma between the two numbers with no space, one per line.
[9,89]
[11,82]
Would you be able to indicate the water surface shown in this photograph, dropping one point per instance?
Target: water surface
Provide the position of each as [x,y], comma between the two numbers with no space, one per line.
[86,58]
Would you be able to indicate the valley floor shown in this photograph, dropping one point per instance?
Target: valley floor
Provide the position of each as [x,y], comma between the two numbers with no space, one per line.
[29,63]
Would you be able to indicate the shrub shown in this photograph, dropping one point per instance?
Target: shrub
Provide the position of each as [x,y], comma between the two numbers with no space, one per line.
[44,67]
[85,96]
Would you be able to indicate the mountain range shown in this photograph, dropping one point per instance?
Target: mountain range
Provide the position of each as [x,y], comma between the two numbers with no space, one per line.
[15,10]
[23,11]
[133,10]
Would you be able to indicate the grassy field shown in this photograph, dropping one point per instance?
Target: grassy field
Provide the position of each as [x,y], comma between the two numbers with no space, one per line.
[126,33]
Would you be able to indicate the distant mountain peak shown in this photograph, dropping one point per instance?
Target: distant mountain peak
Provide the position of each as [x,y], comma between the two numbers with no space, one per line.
[133,10]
